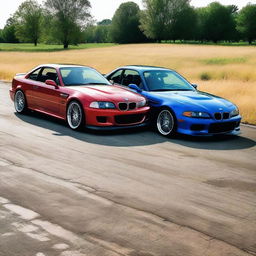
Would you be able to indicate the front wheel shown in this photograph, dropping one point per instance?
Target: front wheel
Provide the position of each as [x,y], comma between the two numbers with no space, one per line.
[20,102]
[75,115]
[166,123]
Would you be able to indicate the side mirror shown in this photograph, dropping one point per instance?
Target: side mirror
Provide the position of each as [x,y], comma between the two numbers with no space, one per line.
[134,87]
[111,81]
[51,82]
[195,86]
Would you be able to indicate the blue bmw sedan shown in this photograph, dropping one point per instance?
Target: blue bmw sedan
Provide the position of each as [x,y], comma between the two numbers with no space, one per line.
[177,105]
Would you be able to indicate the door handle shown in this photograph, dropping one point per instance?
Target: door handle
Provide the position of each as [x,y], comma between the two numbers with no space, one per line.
[64,95]
[35,87]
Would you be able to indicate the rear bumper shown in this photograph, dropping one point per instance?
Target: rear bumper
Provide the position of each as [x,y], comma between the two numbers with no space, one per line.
[209,127]
[111,119]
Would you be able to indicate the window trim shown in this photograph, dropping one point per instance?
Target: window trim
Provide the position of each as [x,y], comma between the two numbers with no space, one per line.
[28,76]
[41,71]
[143,85]
[120,75]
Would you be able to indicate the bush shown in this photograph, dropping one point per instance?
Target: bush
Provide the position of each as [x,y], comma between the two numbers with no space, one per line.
[205,76]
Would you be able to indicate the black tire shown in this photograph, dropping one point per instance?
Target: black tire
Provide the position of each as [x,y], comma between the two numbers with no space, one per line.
[20,102]
[166,123]
[75,115]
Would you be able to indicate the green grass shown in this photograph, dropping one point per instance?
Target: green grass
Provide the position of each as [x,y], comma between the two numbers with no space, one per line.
[47,47]
[223,61]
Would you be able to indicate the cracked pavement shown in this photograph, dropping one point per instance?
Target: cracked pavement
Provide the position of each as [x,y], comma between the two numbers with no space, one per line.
[130,193]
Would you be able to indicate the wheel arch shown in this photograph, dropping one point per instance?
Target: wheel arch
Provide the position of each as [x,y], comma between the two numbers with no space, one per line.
[159,109]
[20,88]
[74,99]
[81,105]
[166,107]
[25,108]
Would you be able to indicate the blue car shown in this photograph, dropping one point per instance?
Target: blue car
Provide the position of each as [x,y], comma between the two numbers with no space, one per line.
[177,105]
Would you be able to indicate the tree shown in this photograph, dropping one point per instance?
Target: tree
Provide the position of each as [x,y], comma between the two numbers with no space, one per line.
[68,19]
[102,31]
[233,34]
[125,24]
[183,26]
[88,34]
[216,22]
[1,36]
[105,22]
[201,26]
[101,34]
[159,17]
[8,33]
[246,22]
[28,21]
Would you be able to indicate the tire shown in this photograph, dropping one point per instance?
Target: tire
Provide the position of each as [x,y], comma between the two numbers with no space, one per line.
[75,115]
[166,123]
[20,102]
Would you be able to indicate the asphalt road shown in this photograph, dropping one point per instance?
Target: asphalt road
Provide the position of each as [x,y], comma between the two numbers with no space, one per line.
[129,193]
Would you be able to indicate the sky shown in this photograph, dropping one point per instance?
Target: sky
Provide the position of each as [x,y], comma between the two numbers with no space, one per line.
[105,9]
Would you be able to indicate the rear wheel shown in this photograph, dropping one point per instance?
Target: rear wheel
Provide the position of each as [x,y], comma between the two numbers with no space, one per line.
[75,115]
[20,102]
[166,122]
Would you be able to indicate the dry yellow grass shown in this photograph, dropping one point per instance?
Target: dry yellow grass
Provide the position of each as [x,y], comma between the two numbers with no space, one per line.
[232,70]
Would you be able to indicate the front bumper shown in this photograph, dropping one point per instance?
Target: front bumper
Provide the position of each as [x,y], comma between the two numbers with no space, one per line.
[209,127]
[110,119]
[114,128]
[11,94]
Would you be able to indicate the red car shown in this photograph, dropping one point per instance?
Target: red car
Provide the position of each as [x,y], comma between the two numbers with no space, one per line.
[80,95]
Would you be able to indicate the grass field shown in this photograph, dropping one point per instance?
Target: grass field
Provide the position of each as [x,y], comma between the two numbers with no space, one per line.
[47,47]
[225,71]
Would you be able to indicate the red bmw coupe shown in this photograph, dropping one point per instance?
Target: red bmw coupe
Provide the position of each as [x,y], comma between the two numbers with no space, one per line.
[80,95]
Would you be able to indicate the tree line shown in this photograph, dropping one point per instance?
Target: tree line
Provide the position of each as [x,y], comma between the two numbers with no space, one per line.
[70,22]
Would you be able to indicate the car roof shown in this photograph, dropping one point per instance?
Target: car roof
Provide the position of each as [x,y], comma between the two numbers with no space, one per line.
[56,65]
[144,67]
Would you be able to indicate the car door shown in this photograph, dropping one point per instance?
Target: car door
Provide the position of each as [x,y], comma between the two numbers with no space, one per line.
[31,84]
[47,96]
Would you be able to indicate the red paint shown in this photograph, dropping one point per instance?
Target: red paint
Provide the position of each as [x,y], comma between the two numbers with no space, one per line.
[53,100]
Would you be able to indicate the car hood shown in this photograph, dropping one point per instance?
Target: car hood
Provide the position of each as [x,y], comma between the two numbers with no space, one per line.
[196,100]
[108,93]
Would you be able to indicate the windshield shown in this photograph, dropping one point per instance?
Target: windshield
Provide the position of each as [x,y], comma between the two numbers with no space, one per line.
[76,76]
[166,80]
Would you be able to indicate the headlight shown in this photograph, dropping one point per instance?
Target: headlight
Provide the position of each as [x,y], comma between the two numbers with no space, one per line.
[102,105]
[196,114]
[142,103]
[234,112]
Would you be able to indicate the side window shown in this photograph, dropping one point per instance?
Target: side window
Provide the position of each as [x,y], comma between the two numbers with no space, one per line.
[116,77]
[34,75]
[48,73]
[131,77]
